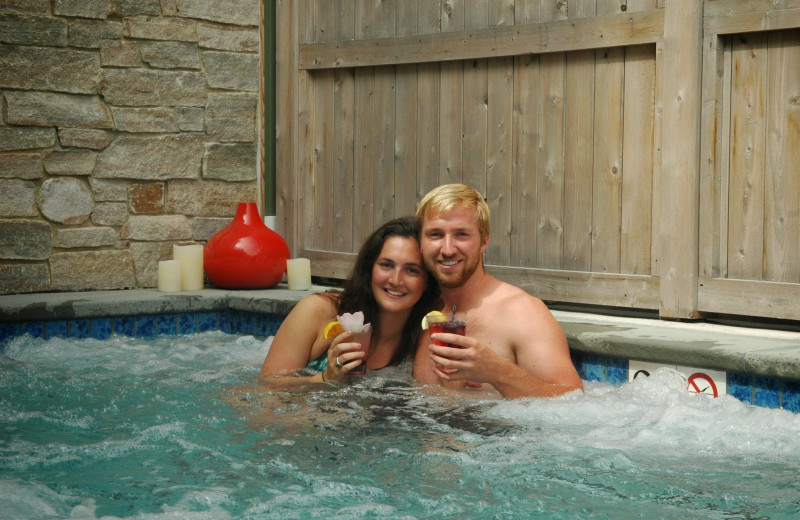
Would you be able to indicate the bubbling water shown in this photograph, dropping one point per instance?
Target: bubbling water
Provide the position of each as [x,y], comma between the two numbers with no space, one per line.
[179,427]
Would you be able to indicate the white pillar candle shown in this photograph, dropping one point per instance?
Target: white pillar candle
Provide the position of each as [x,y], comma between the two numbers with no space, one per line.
[169,276]
[191,258]
[298,270]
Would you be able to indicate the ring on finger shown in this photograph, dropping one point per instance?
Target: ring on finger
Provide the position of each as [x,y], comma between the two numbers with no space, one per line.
[338,364]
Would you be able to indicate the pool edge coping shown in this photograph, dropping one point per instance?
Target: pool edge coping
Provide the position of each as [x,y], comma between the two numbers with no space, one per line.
[735,349]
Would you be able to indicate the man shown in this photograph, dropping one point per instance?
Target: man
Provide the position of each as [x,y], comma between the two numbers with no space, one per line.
[513,342]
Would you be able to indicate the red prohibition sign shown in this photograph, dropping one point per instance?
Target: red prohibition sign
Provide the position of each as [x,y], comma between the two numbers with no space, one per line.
[707,378]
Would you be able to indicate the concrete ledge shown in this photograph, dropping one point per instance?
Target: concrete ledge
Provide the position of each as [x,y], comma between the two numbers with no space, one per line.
[743,350]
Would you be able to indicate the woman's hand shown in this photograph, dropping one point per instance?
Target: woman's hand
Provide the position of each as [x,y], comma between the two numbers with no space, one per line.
[343,356]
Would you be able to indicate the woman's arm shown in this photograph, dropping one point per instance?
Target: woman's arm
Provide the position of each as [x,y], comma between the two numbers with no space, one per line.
[299,338]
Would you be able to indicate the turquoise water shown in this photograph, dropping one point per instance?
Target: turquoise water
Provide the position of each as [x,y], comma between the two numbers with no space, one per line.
[177,428]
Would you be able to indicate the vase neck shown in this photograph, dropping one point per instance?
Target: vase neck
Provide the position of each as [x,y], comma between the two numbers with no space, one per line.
[247,212]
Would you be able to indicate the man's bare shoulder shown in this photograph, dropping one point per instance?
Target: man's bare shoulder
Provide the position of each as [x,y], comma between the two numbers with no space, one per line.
[506,298]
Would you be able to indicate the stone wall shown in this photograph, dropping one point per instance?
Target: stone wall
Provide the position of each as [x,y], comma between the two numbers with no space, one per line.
[127,126]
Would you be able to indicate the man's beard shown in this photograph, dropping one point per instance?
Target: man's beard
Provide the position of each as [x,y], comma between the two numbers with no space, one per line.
[452,279]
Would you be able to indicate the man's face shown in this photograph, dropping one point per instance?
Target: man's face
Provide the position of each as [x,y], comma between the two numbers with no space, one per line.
[451,246]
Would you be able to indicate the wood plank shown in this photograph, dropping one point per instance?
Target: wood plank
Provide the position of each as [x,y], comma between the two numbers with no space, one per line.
[307,129]
[474,119]
[428,83]
[407,96]
[578,161]
[324,159]
[748,149]
[742,17]
[556,36]
[607,173]
[711,139]
[749,298]
[451,101]
[343,100]
[637,160]
[290,148]
[525,153]
[680,159]
[550,168]
[365,153]
[342,182]
[782,190]
[658,125]
[499,169]
[721,8]
[383,168]
[631,291]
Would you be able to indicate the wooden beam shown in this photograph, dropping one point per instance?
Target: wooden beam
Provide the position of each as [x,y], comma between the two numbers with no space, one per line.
[680,172]
[615,290]
[749,298]
[752,22]
[512,40]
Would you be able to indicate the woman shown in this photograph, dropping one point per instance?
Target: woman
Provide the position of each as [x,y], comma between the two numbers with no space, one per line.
[388,283]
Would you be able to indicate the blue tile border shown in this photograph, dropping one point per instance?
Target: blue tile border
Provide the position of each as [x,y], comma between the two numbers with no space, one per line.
[760,391]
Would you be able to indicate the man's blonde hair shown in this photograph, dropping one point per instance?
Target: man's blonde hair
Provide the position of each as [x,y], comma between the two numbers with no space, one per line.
[450,196]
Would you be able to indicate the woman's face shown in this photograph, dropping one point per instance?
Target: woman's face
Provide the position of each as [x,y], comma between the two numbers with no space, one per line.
[398,276]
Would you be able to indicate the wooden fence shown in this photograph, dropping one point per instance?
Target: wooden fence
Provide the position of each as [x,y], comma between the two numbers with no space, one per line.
[641,154]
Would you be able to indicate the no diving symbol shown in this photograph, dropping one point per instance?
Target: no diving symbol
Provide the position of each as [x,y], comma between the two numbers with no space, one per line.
[702,383]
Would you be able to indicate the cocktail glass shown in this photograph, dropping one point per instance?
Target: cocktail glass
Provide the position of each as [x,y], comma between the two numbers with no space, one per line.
[451,323]
[364,337]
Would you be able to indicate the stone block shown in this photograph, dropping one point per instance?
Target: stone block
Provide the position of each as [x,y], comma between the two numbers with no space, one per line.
[190,119]
[161,28]
[85,237]
[66,200]
[171,55]
[33,30]
[24,278]
[110,214]
[231,117]
[151,158]
[203,228]
[134,87]
[91,138]
[70,162]
[53,109]
[25,6]
[236,12]
[227,38]
[17,198]
[114,53]
[135,7]
[169,8]
[25,240]
[230,162]
[232,71]
[146,198]
[144,120]
[91,34]
[42,68]
[92,270]
[157,228]
[106,190]
[146,256]
[21,166]
[209,199]
[26,138]
[82,8]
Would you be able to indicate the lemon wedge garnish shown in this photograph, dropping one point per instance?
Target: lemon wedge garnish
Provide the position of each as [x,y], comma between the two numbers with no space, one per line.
[332,330]
[425,318]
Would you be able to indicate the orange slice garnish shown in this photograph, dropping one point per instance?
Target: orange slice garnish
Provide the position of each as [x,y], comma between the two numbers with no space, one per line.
[332,330]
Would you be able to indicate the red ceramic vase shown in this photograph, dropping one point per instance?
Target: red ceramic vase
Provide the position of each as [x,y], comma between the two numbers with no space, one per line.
[246,254]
